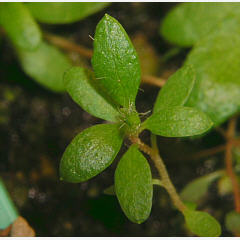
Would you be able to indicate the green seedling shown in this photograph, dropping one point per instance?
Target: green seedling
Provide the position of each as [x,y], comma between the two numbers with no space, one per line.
[109,93]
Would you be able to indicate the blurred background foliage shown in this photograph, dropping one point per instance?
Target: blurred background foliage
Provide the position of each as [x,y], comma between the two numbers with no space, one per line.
[36,124]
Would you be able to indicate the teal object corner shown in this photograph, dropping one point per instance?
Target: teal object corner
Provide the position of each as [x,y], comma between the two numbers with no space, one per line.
[8,212]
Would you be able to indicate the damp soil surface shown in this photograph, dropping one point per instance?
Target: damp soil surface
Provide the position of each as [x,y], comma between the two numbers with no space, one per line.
[36,125]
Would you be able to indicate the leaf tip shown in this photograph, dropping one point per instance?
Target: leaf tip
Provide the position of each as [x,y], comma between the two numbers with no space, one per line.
[210,123]
[107,16]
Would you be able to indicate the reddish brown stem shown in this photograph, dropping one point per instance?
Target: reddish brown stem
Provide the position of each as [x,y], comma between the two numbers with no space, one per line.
[221,131]
[229,164]
[68,45]
[155,81]
[209,152]
[85,52]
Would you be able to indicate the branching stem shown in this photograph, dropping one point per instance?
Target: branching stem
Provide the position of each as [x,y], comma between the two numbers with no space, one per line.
[159,164]
[229,164]
[155,81]
[68,45]
[208,152]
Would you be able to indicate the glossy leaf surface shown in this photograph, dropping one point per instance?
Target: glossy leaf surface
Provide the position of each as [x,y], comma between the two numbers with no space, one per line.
[115,62]
[177,89]
[46,65]
[90,152]
[178,122]
[202,224]
[81,85]
[133,185]
[64,12]
[19,25]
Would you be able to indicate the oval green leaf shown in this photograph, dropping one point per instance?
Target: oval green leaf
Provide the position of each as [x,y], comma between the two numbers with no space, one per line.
[115,62]
[177,89]
[64,12]
[20,25]
[217,88]
[188,23]
[90,152]
[224,185]
[46,65]
[197,188]
[81,85]
[232,222]
[178,122]
[133,185]
[202,224]
[111,190]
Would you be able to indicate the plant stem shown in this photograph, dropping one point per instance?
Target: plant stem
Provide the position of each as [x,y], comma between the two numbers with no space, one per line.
[87,53]
[68,45]
[214,150]
[155,81]
[229,164]
[159,164]
[209,152]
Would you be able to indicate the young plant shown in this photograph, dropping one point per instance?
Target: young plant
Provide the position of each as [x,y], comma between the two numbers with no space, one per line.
[109,93]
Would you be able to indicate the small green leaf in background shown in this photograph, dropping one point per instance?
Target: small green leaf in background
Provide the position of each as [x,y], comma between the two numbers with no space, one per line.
[115,62]
[148,57]
[217,88]
[64,12]
[46,65]
[133,185]
[19,25]
[188,23]
[232,222]
[178,122]
[90,152]
[81,85]
[177,89]
[202,224]
[197,188]
[224,185]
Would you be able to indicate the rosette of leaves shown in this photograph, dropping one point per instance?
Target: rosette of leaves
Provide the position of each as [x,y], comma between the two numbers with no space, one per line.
[109,93]
[40,60]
